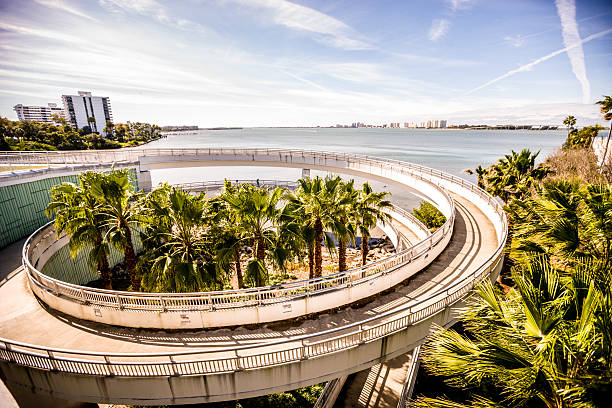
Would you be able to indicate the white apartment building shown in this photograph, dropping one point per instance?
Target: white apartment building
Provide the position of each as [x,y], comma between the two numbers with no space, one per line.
[87,110]
[38,113]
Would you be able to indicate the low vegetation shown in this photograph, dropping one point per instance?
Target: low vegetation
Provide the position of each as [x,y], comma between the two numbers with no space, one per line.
[247,234]
[429,215]
[30,135]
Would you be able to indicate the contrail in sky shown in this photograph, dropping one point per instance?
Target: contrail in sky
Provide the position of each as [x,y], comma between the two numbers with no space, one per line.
[567,13]
[528,67]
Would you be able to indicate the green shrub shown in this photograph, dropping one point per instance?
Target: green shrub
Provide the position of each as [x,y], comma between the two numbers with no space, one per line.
[429,215]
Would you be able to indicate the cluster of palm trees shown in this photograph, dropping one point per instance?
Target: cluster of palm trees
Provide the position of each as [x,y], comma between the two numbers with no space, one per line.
[194,243]
[546,341]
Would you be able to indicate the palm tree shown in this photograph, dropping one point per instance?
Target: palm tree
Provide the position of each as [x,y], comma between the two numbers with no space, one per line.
[317,202]
[564,221]
[229,234]
[606,110]
[258,212]
[570,122]
[345,229]
[178,247]
[368,210]
[78,214]
[512,176]
[546,343]
[119,207]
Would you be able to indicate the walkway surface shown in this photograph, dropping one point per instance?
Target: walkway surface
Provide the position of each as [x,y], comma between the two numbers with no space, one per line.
[25,319]
[379,387]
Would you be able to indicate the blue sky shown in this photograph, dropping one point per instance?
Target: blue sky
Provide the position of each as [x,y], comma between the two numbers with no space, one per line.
[304,63]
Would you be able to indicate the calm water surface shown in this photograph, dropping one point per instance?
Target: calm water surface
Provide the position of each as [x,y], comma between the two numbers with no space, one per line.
[448,150]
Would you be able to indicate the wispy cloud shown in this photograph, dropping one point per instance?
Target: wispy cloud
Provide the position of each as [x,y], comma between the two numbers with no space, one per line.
[460,4]
[331,31]
[571,39]
[60,5]
[155,10]
[528,67]
[516,41]
[438,29]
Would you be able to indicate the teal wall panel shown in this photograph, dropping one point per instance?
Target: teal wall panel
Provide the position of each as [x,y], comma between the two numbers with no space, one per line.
[22,208]
[75,270]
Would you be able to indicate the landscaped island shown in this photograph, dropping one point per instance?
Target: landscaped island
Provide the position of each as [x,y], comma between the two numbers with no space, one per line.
[246,236]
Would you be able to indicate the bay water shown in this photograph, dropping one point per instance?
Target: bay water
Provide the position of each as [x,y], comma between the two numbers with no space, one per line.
[450,150]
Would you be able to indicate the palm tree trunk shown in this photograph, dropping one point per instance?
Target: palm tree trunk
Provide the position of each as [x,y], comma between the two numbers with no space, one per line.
[237,267]
[603,159]
[310,261]
[260,253]
[104,268]
[364,249]
[341,255]
[130,258]
[318,226]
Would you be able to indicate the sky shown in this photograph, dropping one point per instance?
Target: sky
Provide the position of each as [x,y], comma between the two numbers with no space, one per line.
[308,63]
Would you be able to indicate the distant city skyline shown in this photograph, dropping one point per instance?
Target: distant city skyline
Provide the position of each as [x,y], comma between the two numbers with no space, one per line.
[309,63]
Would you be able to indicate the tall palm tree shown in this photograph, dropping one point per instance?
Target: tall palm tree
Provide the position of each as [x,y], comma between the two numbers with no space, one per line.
[259,212]
[369,209]
[119,207]
[546,343]
[606,110]
[345,229]
[229,234]
[179,255]
[570,122]
[317,201]
[77,213]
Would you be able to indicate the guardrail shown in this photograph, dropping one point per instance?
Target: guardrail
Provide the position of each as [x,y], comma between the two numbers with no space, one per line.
[267,354]
[41,240]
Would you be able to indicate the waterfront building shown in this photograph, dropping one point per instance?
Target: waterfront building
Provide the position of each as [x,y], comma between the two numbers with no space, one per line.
[442,124]
[38,113]
[87,110]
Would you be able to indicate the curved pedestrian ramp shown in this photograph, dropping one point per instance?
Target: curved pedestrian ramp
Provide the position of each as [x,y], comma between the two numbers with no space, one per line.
[70,355]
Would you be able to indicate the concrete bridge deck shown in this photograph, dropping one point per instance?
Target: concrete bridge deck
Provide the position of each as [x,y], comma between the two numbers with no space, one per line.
[24,319]
[48,353]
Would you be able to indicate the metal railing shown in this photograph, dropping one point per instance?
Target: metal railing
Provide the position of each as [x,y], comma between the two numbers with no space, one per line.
[42,239]
[267,354]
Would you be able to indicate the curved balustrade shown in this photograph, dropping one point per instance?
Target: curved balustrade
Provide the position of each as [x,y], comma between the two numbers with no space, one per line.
[267,354]
[43,243]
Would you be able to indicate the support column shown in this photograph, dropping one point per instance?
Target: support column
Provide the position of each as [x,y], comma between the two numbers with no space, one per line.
[305,173]
[143,176]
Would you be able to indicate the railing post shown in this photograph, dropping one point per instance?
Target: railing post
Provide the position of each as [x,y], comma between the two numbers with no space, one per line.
[118,299]
[162,303]
[52,360]
[173,365]
[83,298]
[109,367]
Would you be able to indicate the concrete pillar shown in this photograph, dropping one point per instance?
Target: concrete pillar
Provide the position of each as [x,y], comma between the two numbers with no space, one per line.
[143,175]
[305,173]
[26,399]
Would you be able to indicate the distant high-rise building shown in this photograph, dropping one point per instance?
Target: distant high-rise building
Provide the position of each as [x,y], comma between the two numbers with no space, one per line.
[86,110]
[38,113]
[442,123]
[429,124]
[436,124]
